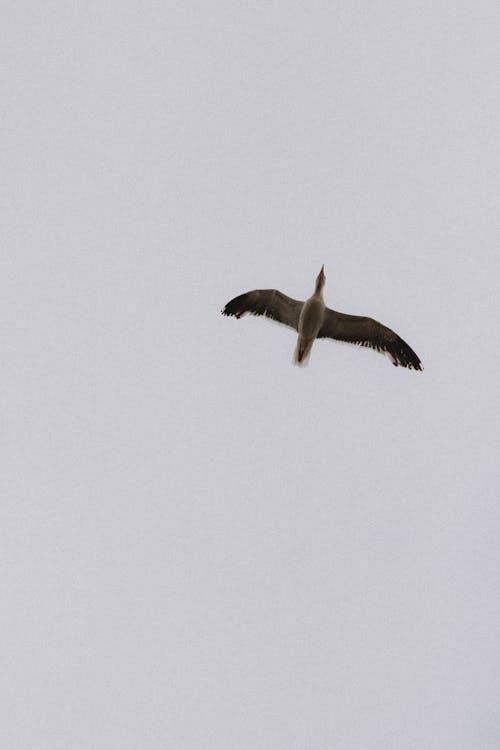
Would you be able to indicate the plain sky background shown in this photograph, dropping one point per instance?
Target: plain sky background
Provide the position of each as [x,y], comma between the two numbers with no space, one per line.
[202,546]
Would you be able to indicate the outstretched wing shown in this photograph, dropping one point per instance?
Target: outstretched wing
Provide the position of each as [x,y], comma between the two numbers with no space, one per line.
[269,302]
[368,332]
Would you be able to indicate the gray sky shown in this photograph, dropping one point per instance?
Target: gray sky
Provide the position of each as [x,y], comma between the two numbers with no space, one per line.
[204,547]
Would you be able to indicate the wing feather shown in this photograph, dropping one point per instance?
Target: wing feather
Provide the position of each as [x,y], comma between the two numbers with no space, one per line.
[268,302]
[357,329]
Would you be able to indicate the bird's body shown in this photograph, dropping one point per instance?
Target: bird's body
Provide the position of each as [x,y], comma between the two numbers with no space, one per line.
[312,320]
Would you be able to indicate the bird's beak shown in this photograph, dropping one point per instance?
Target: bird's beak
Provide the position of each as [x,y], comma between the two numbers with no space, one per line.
[322,268]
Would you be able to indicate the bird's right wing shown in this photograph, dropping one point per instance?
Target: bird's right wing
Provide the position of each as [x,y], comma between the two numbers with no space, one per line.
[269,302]
[368,332]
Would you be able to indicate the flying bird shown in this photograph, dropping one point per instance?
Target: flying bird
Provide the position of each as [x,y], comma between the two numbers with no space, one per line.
[313,320]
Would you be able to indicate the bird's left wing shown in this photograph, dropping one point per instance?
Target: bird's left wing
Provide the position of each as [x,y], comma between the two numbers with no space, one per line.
[368,332]
[269,302]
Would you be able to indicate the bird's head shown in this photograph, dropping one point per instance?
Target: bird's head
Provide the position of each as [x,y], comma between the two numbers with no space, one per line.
[320,280]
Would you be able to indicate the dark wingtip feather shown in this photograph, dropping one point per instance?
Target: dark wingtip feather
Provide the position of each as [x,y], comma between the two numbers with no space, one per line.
[235,306]
[404,356]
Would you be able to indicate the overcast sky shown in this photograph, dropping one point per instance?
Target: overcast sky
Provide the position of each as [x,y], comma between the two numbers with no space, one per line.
[204,547]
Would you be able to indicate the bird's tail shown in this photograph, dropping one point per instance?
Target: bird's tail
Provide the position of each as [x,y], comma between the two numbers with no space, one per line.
[303,349]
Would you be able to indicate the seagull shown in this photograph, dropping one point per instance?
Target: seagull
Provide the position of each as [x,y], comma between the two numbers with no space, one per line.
[313,320]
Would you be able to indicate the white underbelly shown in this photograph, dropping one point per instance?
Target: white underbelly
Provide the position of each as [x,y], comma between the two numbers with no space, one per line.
[311,318]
